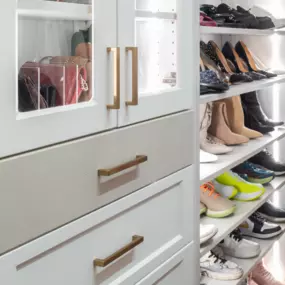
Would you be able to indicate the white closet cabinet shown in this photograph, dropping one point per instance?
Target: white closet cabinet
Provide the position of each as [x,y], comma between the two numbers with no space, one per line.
[155,58]
[134,72]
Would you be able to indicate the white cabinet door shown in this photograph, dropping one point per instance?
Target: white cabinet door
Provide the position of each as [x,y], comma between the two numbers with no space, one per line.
[50,102]
[156,65]
[180,269]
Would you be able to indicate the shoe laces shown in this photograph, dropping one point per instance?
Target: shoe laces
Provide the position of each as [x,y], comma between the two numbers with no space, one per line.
[210,189]
[258,218]
[217,258]
[236,235]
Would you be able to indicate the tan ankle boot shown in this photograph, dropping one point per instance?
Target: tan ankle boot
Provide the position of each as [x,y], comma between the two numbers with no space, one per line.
[220,129]
[236,118]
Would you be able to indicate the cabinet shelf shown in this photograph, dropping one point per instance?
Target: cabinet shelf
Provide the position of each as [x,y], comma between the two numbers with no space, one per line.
[54,10]
[243,88]
[237,31]
[209,171]
[248,264]
[244,210]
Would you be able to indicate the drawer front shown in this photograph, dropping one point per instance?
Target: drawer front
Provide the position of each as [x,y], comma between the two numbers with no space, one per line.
[160,213]
[179,269]
[49,188]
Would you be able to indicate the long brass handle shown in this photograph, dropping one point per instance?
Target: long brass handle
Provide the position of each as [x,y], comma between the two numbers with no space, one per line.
[111,171]
[136,240]
[135,86]
[117,78]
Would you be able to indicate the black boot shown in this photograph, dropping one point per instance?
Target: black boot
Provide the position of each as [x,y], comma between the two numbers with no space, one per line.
[251,122]
[253,106]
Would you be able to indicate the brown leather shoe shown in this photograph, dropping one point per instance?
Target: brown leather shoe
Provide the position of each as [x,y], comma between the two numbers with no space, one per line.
[220,129]
[236,118]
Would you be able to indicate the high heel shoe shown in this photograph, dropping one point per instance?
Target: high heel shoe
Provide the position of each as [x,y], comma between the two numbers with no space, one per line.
[230,53]
[246,55]
[220,129]
[213,51]
[251,101]
[236,118]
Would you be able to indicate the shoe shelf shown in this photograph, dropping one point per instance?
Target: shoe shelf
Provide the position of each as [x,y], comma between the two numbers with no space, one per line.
[242,88]
[54,10]
[209,171]
[237,31]
[244,210]
[247,264]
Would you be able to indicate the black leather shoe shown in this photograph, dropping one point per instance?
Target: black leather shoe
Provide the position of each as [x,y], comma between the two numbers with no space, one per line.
[265,159]
[251,122]
[272,213]
[253,106]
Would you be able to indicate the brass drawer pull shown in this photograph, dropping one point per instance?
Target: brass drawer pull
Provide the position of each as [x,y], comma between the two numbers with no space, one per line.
[117,78]
[111,171]
[136,240]
[135,87]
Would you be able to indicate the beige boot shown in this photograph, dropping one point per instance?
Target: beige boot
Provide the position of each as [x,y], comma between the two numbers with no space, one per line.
[236,118]
[220,129]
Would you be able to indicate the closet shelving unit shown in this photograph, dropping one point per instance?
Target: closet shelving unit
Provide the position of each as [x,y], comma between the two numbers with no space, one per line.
[241,153]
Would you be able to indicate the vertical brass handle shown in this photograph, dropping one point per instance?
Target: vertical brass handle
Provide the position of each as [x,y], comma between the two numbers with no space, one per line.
[136,240]
[111,171]
[117,78]
[135,87]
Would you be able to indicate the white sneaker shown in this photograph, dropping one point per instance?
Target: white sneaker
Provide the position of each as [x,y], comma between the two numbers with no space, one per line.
[236,246]
[206,157]
[207,232]
[218,268]
[211,145]
[226,191]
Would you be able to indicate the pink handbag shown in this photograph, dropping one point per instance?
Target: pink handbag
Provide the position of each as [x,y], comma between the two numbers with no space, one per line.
[206,20]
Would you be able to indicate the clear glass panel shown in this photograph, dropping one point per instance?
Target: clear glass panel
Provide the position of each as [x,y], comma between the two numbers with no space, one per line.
[54,55]
[156,39]
[156,5]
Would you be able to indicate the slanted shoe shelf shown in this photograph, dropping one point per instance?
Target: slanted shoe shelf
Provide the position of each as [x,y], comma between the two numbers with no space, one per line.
[244,210]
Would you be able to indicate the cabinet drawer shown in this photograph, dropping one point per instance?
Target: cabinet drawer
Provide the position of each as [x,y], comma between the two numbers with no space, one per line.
[179,269]
[161,213]
[51,187]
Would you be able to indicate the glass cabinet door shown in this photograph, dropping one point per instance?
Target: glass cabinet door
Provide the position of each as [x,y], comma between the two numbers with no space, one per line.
[57,71]
[156,64]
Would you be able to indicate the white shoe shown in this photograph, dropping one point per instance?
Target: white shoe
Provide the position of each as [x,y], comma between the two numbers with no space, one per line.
[261,12]
[206,157]
[218,268]
[207,232]
[226,191]
[236,246]
[212,145]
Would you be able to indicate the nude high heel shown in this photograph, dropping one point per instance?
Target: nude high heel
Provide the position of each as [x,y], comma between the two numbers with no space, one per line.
[235,117]
[220,129]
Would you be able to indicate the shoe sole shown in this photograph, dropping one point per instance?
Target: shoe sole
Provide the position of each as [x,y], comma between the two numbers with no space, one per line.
[221,276]
[249,198]
[263,236]
[242,256]
[220,214]
[273,219]
[208,237]
[203,211]
[279,173]
[261,181]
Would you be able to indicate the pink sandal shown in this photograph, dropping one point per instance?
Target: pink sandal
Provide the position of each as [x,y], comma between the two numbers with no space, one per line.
[206,20]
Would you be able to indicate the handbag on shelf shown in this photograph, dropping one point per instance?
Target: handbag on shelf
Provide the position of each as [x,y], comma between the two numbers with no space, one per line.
[66,73]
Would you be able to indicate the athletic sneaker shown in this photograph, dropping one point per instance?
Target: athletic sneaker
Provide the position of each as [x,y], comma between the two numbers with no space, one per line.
[247,191]
[236,246]
[207,232]
[226,191]
[255,173]
[219,268]
[266,160]
[262,276]
[256,226]
[272,213]
[203,209]
[217,206]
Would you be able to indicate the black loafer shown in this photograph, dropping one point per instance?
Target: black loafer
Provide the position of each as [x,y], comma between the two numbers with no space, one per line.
[272,213]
